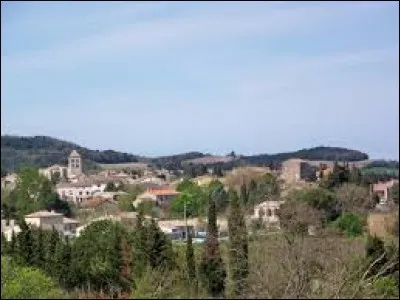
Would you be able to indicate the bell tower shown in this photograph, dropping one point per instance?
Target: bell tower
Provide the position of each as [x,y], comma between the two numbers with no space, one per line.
[74,164]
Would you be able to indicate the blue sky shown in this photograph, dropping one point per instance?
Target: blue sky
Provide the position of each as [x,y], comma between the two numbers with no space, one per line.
[156,78]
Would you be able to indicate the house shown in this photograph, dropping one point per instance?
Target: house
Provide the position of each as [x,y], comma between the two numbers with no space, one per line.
[8,230]
[177,228]
[267,212]
[110,195]
[296,170]
[78,192]
[47,220]
[9,181]
[70,226]
[382,189]
[161,196]
[53,170]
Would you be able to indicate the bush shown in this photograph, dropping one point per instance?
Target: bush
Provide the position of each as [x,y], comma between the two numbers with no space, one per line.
[350,224]
[25,282]
[386,288]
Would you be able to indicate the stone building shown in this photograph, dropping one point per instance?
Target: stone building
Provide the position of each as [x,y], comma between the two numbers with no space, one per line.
[74,164]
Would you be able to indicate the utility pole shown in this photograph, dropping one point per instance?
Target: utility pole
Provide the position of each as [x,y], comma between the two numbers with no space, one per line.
[186,227]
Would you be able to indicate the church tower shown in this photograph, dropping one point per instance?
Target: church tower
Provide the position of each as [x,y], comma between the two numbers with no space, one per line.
[74,164]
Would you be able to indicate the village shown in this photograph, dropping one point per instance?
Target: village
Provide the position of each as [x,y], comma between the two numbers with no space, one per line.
[95,200]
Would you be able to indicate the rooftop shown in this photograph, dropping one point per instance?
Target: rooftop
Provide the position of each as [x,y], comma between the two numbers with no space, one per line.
[43,214]
[70,221]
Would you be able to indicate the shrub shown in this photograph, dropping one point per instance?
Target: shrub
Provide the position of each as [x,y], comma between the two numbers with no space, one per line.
[350,224]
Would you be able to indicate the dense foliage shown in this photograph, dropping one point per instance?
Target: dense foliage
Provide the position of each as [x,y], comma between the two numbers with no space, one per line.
[20,282]
[33,192]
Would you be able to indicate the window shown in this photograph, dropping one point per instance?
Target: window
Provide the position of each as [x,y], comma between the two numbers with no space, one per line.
[80,193]
[269,212]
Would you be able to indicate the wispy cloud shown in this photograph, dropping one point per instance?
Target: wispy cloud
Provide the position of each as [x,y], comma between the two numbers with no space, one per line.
[198,27]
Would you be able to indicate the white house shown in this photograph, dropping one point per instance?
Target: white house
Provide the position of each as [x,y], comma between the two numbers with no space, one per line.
[77,192]
[9,181]
[44,220]
[8,230]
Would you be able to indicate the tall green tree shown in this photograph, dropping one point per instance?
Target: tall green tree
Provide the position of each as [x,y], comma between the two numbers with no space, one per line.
[35,192]
[238,246]
[160,248]
[52,239]
[25,244]
[140,250]
[62,263]
[252,192]
[219,195]
[355,176]
[394,193]
[190,259]
[4,244]
[38,248]
[244,196]
[211,269]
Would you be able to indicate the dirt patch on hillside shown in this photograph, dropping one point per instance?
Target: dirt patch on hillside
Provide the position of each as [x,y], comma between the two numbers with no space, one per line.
[380,224]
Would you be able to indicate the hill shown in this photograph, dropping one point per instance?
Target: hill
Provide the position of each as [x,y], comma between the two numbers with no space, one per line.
[316,153]
[43,151]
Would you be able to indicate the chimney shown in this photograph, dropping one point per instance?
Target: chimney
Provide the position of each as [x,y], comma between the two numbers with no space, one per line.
[3,223]
[11,223]
[52,211]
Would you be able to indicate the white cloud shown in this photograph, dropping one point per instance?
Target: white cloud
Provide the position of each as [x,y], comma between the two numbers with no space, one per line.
[205,25]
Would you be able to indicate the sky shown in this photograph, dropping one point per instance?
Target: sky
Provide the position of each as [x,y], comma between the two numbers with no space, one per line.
[158,78]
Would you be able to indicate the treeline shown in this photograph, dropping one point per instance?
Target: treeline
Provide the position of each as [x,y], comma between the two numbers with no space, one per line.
[108,258]
[390,164]
[316,153]
[42,151]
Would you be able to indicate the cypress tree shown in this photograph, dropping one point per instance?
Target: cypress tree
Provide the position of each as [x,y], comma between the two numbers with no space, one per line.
[125,273]
[160,248]
[141,246]
[244,196]
[13,244]
[62,262]
[38,249]
[53,240]
[24,249]
[238,246]
[211,269]
[252,192]
[190,259]
[4,244]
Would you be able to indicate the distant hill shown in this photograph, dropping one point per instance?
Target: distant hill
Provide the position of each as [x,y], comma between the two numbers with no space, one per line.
[316,153]
[43,151]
